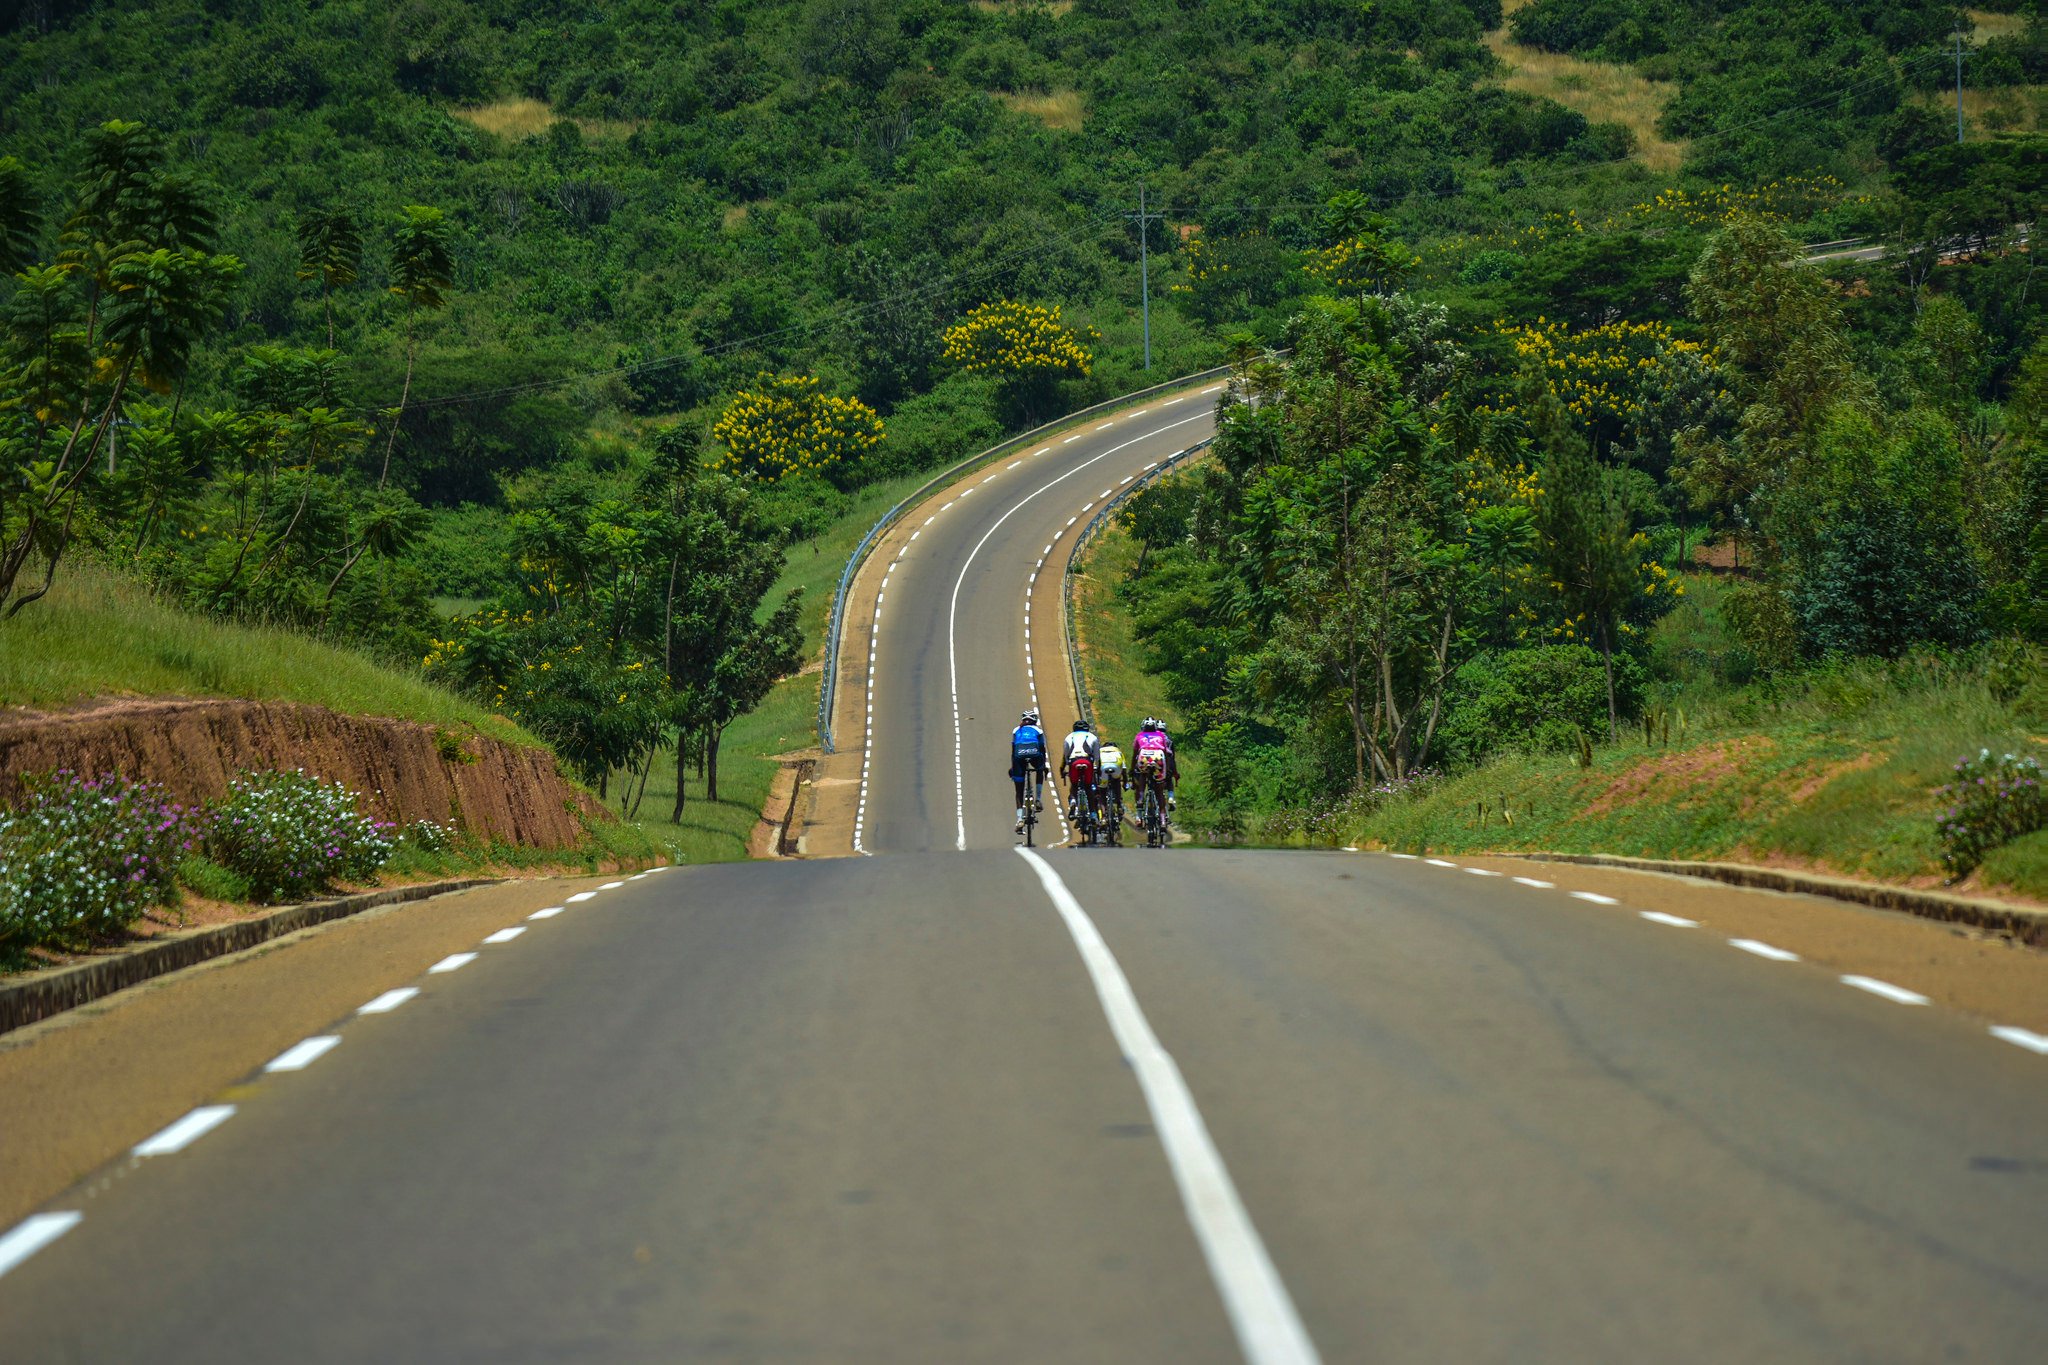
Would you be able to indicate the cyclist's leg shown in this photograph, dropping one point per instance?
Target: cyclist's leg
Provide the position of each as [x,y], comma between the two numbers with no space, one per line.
[1017,781]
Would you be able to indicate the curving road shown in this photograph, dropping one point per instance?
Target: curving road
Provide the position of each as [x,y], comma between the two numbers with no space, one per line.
[947,1105]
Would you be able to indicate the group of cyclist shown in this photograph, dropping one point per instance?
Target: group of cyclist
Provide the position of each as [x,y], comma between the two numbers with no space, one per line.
[1097,774]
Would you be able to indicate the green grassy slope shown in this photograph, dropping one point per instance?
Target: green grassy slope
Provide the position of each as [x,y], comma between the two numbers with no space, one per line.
[99,635]
[1834,771]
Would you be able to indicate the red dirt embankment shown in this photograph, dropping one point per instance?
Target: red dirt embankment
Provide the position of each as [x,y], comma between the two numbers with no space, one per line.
[403,770]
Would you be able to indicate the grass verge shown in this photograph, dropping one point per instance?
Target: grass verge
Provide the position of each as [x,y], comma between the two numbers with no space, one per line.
[1603,93]
[99,635]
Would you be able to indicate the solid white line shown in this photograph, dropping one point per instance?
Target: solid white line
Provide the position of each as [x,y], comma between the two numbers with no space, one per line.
[32,1234]
[1675,921]
[1596,898]
[1269,1330]
[2018,1037]
[1481,872]
[186,1131]
[452,962]
[390,1000]
[583,896]
[299,1056]
[1540,885]
[1897,994]
[550,912]
[1762,949]
[505,935]
[953,620]
[1438,862]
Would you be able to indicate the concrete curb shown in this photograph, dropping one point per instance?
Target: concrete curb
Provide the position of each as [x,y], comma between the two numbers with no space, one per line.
[27,998]
[2018,922]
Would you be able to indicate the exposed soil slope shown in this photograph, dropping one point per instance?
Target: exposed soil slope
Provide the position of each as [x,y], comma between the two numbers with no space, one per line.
[404,770]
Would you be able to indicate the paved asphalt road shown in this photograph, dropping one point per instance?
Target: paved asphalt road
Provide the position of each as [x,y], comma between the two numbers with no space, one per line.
[1108,1105]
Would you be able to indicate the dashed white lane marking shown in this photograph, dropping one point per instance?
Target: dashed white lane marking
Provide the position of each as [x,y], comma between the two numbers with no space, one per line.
[1012,465]
[550,912]
[2018,1037]
[1405,857]
[930,519]
[637,877]
[1042,450]
[1071,439]
[390,1000]
[1171,401]
[1212,388]
[1269,1331]
[611,886]
[1896,994]
[1675,921]
[953,634]
[1596,898]
[1128,478]
[1438,862]
[1351,848]
[453,962]
[505,935]
[186,1131]
[918,532]
[581,896]
[993,477]
[1762,949]
[1107,425]
[301,1055]
[32,1234]
[1536,882]
[1481,872]
[1106,492]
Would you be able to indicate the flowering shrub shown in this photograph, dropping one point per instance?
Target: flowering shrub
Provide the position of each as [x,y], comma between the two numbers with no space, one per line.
[291,834]
[85,857]
[1990,802]
[1010,338]
[789,425]
[1369,262]
[428,837]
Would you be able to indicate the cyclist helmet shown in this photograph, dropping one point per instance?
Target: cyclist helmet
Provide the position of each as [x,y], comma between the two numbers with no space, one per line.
[1083,725]
[1029,718]
[1151,723]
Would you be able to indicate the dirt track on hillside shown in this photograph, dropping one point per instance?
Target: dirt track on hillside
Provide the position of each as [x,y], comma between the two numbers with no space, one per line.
[403,770]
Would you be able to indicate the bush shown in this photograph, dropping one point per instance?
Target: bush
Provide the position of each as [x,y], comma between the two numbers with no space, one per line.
[1539,700]
[85,857]
[1992,801]
[428,837]
[291,834]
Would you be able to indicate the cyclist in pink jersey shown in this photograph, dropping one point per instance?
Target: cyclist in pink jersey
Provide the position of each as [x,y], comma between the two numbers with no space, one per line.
[1152,761]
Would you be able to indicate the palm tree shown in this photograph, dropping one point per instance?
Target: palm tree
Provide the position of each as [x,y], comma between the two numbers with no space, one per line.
[420,271]
[330,249]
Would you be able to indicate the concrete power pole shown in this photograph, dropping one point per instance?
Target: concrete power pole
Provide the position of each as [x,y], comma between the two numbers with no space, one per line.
[1145,266]
[1958,55]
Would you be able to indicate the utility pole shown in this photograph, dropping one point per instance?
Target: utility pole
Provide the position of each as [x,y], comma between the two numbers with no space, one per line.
[1958,55]
[1145,266]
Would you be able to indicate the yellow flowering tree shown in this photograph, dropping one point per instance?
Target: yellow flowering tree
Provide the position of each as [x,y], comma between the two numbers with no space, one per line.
[788,425]
[1369,261]
[1024,345]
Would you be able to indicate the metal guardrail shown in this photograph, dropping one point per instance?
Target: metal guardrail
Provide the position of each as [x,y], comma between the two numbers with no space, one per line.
[1088,532]
[829,683]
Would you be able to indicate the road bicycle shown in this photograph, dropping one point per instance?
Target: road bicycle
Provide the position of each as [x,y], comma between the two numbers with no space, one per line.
[1087,824]
[1113,818]
[1030,804]
[1152,816]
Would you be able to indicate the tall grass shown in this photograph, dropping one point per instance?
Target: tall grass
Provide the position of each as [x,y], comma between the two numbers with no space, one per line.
[1062,111]
[98,635]
[525,117]
[1602,92]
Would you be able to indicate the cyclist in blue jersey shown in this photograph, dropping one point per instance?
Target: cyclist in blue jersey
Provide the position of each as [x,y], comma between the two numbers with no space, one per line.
[1027,753]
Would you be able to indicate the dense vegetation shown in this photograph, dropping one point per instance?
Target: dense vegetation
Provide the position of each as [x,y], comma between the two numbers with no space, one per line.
[348,315]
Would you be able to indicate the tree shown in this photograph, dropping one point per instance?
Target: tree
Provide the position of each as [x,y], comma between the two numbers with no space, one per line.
[1023,344]
[786,425]
[19,220]
[330,250]
[1595,561]
[421,268]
